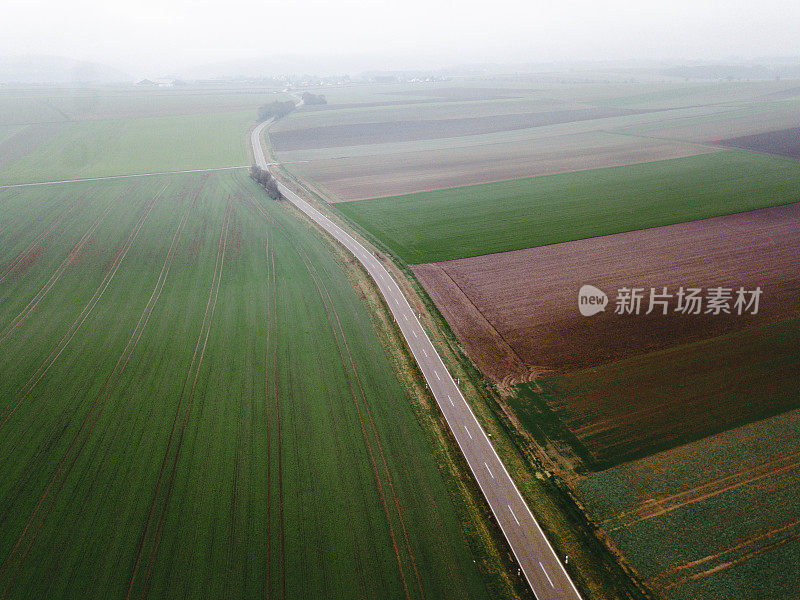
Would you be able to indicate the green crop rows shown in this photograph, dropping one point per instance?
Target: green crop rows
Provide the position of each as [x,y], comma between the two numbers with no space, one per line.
[193,403]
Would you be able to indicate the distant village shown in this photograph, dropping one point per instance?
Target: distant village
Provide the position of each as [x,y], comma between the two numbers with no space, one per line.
[287,83]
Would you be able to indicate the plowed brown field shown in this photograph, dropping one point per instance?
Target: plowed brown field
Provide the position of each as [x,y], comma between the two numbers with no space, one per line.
[516,313]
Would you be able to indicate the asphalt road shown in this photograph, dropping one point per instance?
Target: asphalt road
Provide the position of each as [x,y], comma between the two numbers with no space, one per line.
[543,570]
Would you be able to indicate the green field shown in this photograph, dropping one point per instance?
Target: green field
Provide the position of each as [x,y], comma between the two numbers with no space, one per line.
[496,217]
[193,403]
[85,149]
[627,409]
[712,519]
[45,104]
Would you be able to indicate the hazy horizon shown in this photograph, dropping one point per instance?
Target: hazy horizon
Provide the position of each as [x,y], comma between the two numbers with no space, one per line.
[149,37]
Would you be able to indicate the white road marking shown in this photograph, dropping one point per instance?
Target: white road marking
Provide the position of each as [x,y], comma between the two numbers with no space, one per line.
[425,353]
[488,469]
[468,433]
[546,575]
[415,335]
[512,511]
[405,317]
[451,400]
[435,372]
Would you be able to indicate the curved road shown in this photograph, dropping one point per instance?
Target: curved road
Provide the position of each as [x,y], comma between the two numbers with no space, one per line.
[543,570]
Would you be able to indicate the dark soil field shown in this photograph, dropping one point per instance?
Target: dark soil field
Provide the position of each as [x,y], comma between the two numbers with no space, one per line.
[516,313]
[639,406]
[785,142]
[333,136]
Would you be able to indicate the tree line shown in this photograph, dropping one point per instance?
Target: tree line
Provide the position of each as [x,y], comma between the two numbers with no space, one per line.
[265,179]
[310,99]
[275,110]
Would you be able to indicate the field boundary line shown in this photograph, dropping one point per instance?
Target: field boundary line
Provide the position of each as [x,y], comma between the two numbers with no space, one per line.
[111,177]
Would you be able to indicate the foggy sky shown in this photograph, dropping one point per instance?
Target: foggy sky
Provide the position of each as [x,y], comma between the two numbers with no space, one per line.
[165,35]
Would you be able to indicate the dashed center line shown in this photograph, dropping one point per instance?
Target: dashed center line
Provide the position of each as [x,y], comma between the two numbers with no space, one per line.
[451,400]
[512,513]
[435,372]
[425,353]
[550,581]
[470,437]
[415,333]
[405,317]
[488,469]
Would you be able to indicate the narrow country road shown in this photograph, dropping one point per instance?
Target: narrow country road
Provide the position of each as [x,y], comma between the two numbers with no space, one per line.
[543,570]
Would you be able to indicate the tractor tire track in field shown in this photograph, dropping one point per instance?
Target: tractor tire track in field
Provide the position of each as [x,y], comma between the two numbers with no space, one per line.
[372,423]
[657,507]
[11,407]
[189,385]
[102,398]
[246,431]
[747,550]
[331,314]
[270,324]
[365,436]
[341,462]
[32,248]
[76,249]
[259,210]
[278,420]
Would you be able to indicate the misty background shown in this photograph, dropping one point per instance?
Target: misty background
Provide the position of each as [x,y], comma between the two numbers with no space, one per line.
[88,40]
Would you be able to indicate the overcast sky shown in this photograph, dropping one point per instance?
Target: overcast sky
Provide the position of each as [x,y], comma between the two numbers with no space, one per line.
[164,35]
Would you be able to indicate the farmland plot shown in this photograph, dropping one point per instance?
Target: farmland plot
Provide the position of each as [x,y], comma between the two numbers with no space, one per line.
[489,218]
[712,519]
[517,311]
[193,403]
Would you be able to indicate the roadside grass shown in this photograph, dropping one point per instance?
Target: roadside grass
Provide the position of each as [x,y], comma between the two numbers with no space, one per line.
[131,146]
[235,446]
[510,215]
